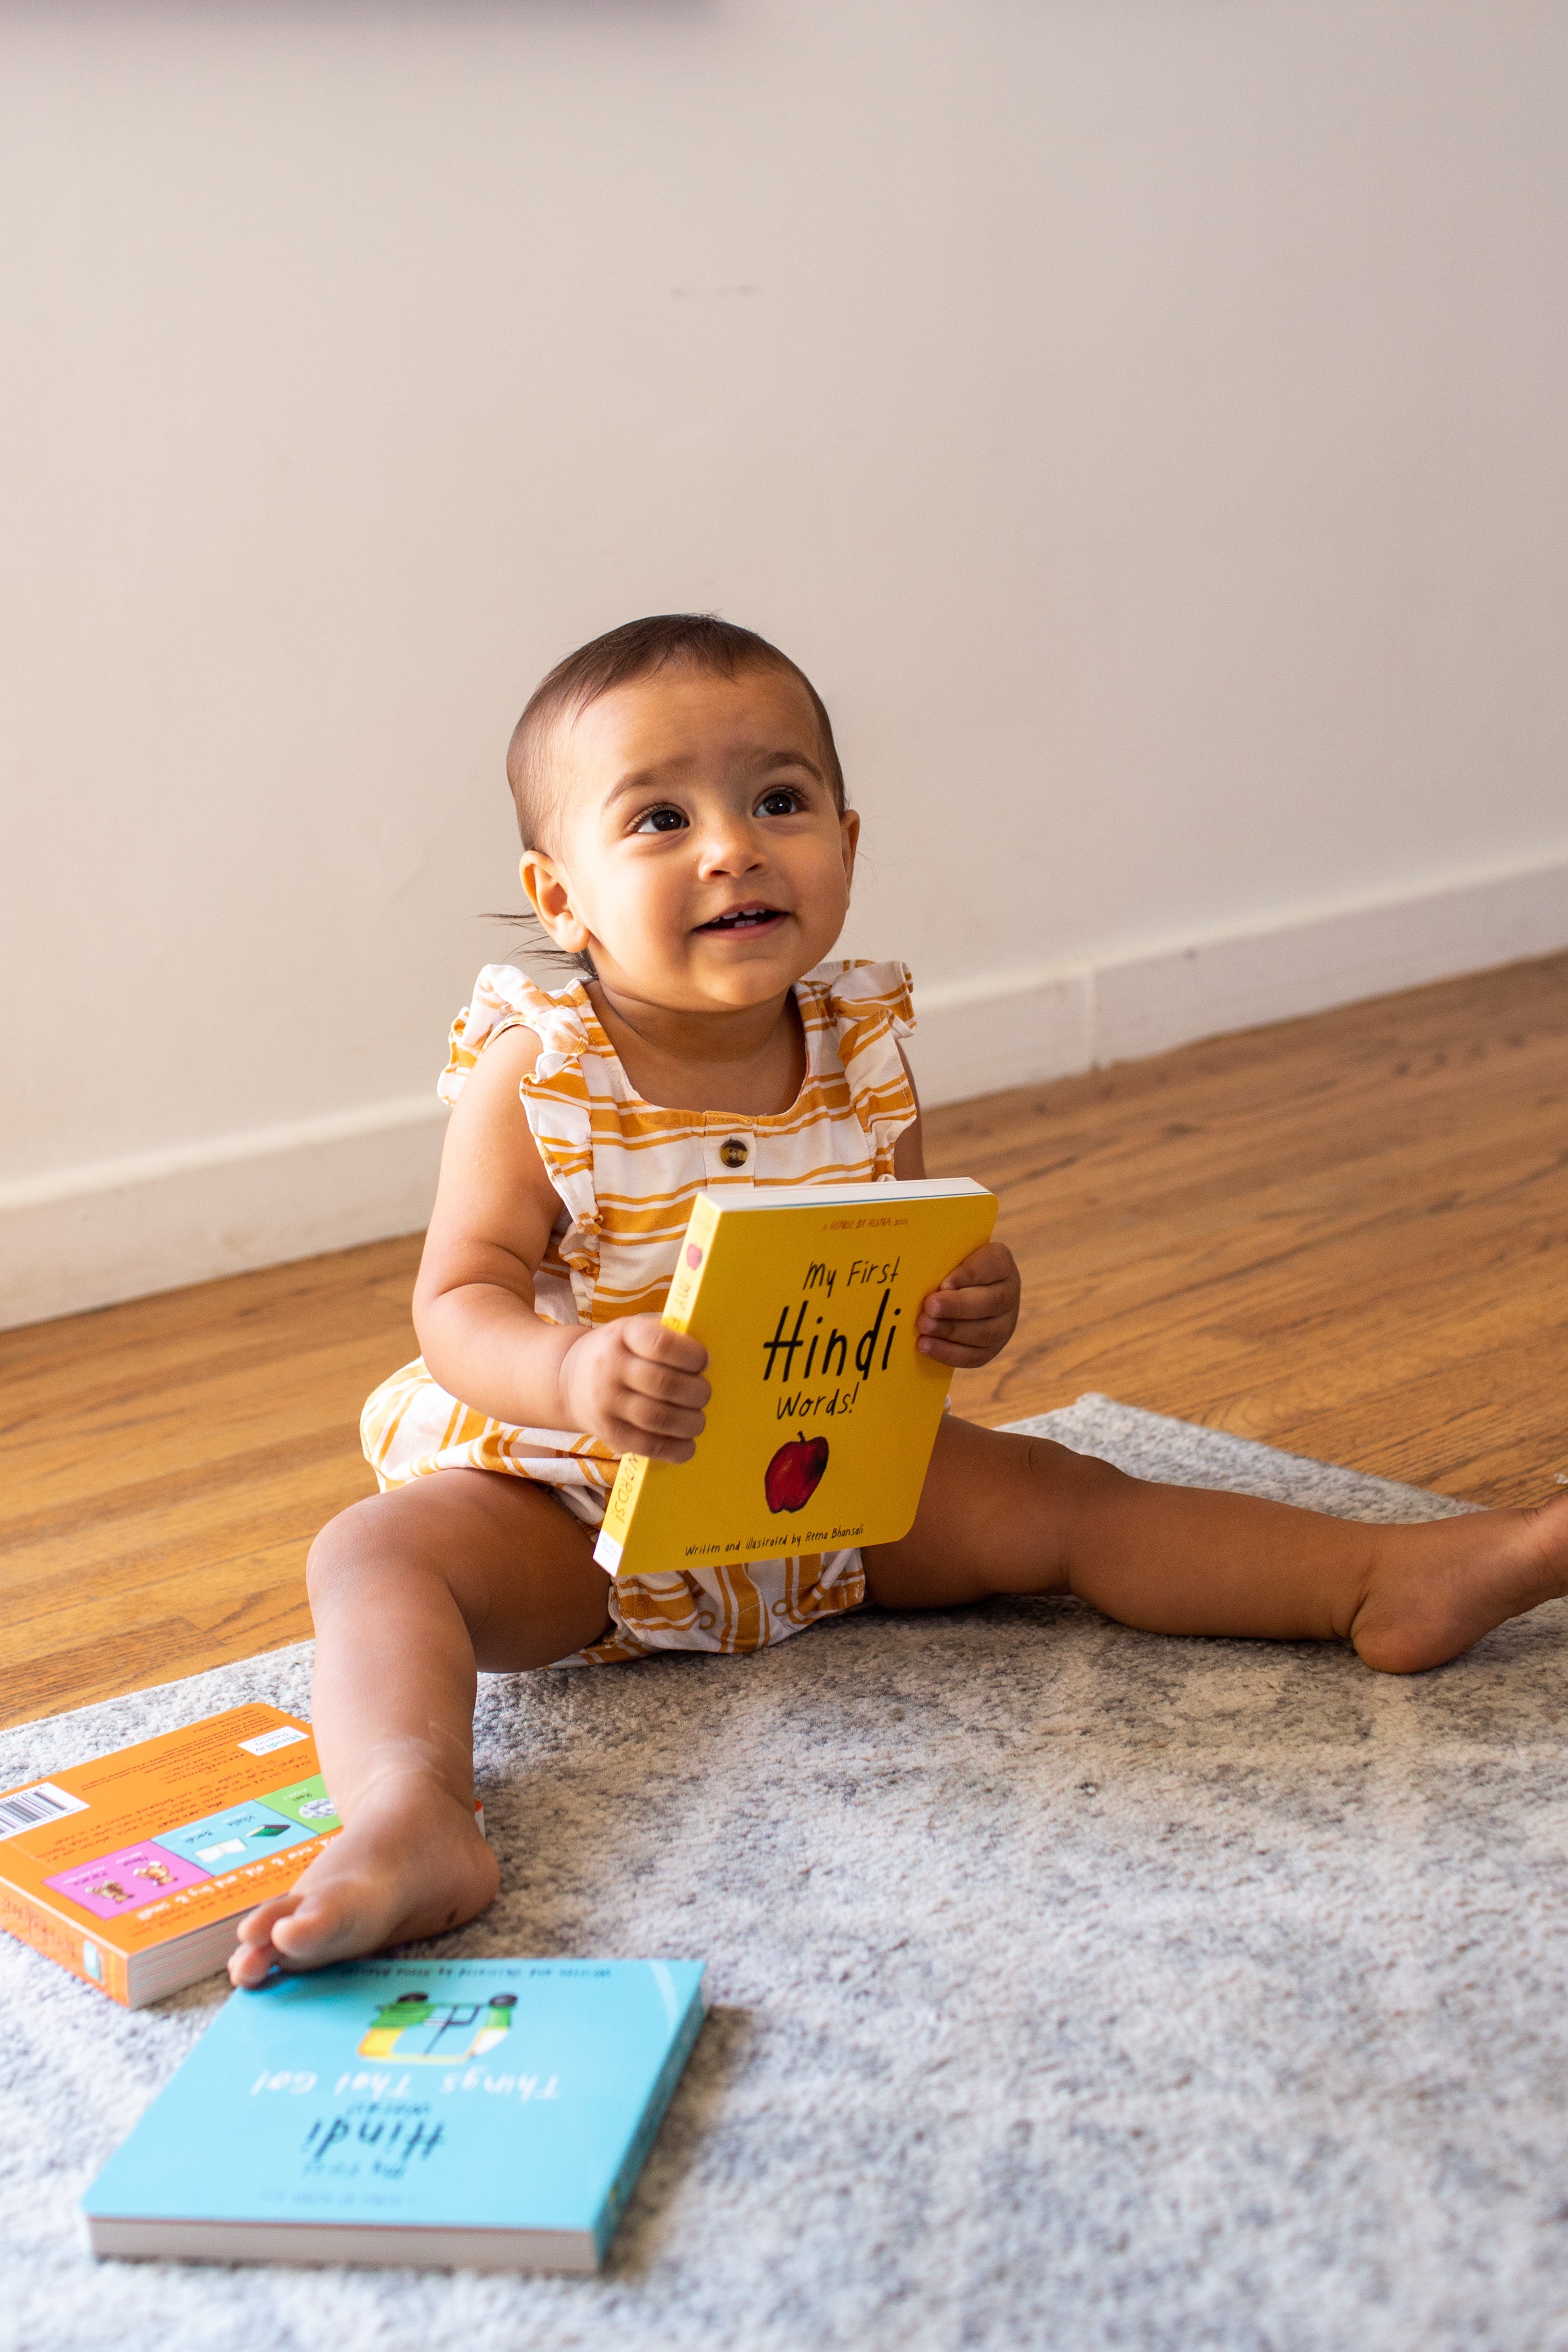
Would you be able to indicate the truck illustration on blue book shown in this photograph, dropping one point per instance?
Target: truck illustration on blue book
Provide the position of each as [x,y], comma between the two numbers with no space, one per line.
[419,2031]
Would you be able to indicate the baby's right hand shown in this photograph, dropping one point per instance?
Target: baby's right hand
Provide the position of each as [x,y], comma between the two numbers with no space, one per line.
[637,1385]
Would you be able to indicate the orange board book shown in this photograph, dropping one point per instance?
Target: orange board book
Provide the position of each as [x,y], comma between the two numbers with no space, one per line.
[135,1870]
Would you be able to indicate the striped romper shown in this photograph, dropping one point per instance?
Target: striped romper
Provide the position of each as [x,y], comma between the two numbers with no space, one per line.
[627,1173]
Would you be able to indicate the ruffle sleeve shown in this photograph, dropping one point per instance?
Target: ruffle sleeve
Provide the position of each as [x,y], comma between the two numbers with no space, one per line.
[871,1008]
[505,998]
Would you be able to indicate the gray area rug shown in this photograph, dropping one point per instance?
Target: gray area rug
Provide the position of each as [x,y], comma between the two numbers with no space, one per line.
[1072,1987]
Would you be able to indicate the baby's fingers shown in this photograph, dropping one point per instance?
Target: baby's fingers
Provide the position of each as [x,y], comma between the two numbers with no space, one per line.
[971,1319]
[657,1384]
[983,1302]
[658,1410]
[628,1387]
[991,1262]
[665,1432]
[965,1345]
[648,1337]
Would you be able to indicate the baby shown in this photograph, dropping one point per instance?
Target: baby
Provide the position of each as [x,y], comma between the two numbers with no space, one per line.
[687,840]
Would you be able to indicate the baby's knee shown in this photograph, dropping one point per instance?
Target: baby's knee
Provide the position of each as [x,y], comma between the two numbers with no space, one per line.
[348,1548]
[1078,1477]
[393,1549]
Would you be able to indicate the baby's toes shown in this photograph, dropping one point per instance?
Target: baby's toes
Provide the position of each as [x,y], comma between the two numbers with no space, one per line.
[256,1956]
[250,1965]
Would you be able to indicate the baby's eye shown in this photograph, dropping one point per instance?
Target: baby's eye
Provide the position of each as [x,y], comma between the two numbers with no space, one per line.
[781,801]
[659,819]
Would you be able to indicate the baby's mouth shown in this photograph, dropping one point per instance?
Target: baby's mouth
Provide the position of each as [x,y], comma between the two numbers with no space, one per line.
[744,919]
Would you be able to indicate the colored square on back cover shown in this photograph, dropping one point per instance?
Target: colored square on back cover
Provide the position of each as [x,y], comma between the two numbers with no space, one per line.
[307,1802]
[121,1881]
[241,1833]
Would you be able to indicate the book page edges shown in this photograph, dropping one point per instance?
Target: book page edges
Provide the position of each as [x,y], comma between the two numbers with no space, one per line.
[752,1197]
[380,2243]
[680,1307]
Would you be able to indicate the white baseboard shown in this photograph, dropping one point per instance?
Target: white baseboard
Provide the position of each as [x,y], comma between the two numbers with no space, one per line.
[120,1229]
[1018,1029]
[1010,1029]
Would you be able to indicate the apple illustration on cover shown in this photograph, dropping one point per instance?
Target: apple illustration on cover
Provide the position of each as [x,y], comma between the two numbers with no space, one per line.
[791,1476]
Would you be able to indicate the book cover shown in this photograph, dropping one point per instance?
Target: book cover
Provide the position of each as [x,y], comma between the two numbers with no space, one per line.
[134,1871]
[484,2114]
[823,1413]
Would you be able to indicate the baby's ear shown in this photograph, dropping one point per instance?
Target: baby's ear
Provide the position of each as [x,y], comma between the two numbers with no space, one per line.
[548,893]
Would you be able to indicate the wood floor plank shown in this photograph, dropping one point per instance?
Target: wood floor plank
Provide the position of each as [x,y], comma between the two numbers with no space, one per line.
[1350,1237]
[1346,1235]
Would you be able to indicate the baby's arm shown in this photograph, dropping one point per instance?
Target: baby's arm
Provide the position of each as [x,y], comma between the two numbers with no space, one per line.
[974,1314]
[633,1384]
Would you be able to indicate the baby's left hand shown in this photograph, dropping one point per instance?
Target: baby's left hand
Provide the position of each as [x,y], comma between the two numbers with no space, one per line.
[971,1317]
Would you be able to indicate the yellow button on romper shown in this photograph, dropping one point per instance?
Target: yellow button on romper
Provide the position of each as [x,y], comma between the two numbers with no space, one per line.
[628,1173]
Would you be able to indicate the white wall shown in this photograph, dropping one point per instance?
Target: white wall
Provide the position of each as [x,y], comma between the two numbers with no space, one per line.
[1142,417]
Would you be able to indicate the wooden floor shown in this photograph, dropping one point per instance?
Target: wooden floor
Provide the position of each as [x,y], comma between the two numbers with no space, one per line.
[1347,1235]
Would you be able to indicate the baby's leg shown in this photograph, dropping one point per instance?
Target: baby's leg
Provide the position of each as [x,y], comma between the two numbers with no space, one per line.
[412,1592]
[1007,1514]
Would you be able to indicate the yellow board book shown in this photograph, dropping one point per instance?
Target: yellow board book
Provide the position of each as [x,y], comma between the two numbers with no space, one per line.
[824,1414]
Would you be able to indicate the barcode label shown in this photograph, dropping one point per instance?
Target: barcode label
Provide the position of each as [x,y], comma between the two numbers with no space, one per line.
[266,1741]
[37,1807]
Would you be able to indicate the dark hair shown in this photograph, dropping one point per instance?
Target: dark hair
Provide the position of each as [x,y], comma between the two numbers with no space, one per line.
[636,649]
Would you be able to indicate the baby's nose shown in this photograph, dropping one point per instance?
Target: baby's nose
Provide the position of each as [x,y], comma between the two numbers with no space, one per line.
[731,848]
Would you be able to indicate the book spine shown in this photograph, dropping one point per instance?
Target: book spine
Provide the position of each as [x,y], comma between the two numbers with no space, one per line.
[94,1962]
[659,2097]
[692,1264]
[679,1308]
[618,1521]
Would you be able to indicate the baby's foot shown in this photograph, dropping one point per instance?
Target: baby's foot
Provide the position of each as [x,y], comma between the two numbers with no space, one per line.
[1434,1590]
[412,1861]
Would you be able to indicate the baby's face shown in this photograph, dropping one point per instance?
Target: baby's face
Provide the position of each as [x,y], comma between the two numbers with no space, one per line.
[696,849]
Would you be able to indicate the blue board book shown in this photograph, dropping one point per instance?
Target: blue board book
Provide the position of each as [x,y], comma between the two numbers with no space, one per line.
[481,2113]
